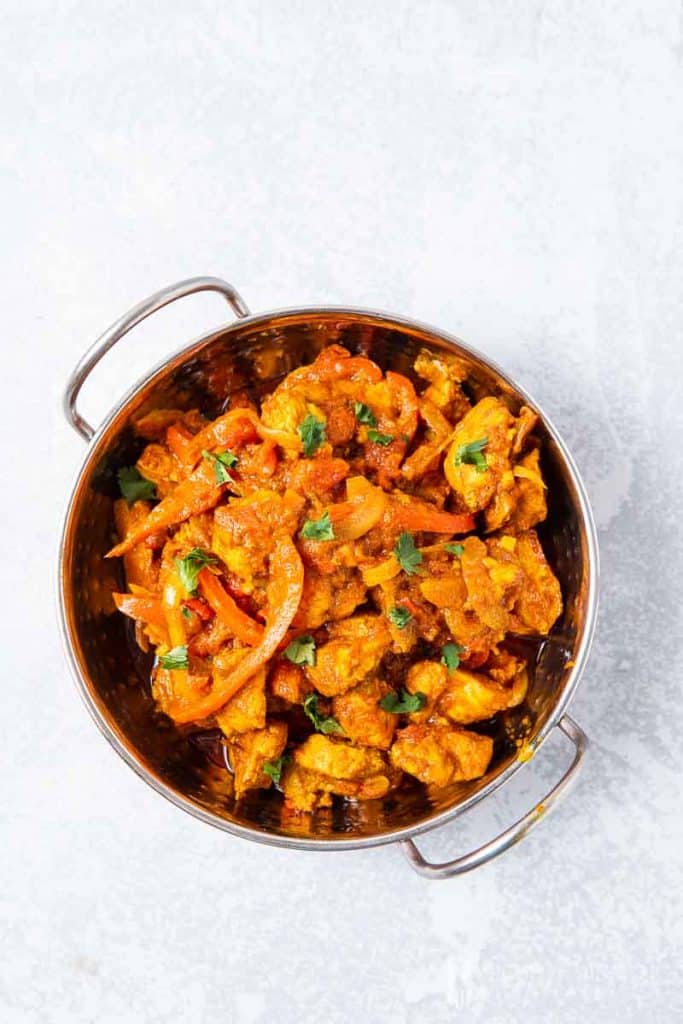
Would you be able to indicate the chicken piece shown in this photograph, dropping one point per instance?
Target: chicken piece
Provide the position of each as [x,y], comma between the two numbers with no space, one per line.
[526,421]
[474,696]
[286,409]
[325,766]
[245,530]
[445,372]
[250,751]
[449,593]
[520,500]
[328,598]
[538,602]
[158,464]
[531,504]
[488,585]
[490,422]
[360,716]
[315,478]
[288,682]
[139,563]
[354,651]
[429,678]
[247,709]
[439,754]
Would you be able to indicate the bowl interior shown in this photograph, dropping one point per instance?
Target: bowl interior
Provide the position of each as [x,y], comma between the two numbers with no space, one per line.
[113,671]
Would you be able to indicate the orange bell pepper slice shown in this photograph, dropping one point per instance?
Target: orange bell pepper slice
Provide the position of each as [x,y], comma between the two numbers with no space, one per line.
[141,608]
[284,595]
[418,516]
[196,494]
[228,611]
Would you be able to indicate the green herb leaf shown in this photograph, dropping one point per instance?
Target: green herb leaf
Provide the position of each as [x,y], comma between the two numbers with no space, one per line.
[472,454]
[409,558]
[186,612]
[191,565]
[377,438]
[301,651]
[403,705]
[312,434]
[454,549]
[274,768]
[134,486]
[400,616]
[364,414]
[450,656]
[222,461]
[318,529]
[322,723]
[175,658]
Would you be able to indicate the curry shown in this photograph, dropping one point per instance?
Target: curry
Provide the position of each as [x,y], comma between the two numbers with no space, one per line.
[336,579]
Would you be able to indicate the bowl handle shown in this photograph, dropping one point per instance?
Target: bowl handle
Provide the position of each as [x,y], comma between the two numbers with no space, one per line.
[124,324]
[517,831]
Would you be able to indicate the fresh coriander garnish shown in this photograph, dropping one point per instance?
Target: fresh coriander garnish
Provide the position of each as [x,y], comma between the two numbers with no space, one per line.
[186,612]
[403,705]
[274,768]
[364,414]
[312,434]
[222,461]
[472,454]
[454,549]
[409,558]
[318,529]
[191,565]
[134,486]
[400,616]
[322,723]
[377,438]
[301,651]
[450,656]
[175,658]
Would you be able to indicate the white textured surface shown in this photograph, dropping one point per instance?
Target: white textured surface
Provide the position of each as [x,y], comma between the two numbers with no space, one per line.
[510,171]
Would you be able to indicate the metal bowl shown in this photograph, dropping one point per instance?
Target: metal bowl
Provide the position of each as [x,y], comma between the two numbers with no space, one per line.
[111,674]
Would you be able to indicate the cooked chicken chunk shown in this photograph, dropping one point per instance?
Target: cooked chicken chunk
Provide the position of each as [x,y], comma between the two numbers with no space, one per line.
[474,696]
[325,766]
[439,754]
[354,652]
[247,709]
[249,751]
[490,424]
[360,716]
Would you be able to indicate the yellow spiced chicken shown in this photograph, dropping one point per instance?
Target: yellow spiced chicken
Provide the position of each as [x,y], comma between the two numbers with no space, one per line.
[334,579]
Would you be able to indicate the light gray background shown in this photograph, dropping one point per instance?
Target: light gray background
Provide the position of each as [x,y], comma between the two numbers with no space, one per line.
[510,171]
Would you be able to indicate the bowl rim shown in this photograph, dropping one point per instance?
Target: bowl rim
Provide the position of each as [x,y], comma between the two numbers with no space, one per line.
[340,841]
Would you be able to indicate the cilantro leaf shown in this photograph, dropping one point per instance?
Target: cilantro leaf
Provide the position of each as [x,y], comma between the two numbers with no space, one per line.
[274,768]
[409,558]
[377,438]
[322,723]
[454,549]
[312,433]
[134,486]
[364,414]
[403,705]
[472,454]
[175,658]
[318,529]
[222,461]
[450,656]
[186,612]
[400,616]
[191,565]
[301,651]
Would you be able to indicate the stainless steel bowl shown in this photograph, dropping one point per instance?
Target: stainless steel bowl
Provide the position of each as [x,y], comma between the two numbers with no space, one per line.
[111,674]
